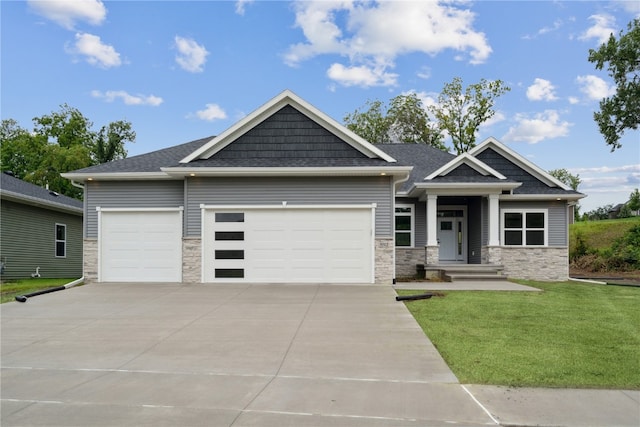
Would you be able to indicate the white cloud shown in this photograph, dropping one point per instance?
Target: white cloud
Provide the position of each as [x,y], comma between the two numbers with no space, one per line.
[191,56]
[545,125]
[629,6]
[377,32]
[240,6]
[541,90]
[604,25]
[607,169]
[361,76]
[94,51]
[210,113]
[66,13]
[594,87]
[128,99]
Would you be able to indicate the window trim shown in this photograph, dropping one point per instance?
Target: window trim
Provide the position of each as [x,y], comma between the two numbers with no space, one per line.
[56,240]
[524,228]
[413,223]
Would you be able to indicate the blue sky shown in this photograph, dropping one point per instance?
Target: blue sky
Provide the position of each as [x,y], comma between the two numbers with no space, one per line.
[179,71]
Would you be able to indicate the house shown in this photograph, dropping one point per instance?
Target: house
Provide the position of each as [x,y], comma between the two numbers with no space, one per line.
[40,231]
[288,194]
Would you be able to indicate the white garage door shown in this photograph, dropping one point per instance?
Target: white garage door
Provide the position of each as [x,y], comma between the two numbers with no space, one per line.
[140,246]
[288,245]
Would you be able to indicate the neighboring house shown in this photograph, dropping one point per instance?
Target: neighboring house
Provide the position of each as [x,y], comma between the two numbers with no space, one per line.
[40,231]
[615,211]
[288,194]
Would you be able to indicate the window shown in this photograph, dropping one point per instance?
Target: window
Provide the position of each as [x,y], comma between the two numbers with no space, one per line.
[404,225]
[229,235]
[524,227]
[229,217]
[61,241]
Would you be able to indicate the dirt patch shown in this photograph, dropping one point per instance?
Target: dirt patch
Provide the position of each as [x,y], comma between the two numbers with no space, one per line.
[622,277]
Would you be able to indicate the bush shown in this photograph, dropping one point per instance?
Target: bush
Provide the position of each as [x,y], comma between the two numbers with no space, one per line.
[623,255]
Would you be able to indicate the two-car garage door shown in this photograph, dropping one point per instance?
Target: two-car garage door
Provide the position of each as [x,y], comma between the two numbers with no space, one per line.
[288,244]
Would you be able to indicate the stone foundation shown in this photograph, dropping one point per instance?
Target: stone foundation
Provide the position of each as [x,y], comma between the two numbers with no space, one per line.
[406,261]
[90,260]
[384,268]
[191,260]
[530,263]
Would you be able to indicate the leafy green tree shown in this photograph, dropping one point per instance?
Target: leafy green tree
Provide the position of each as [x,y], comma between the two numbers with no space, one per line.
[567,178]
[622,110]
[60,142]
[460,112]
[405,120]
[634,200]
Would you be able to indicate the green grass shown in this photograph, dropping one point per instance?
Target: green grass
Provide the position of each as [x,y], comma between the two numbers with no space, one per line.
[570,335]
[601,234]
[10,289]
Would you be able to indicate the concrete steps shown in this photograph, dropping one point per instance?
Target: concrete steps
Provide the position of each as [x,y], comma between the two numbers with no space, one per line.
[467,272]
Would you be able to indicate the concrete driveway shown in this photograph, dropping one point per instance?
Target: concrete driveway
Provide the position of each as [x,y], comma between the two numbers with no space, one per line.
[224,355]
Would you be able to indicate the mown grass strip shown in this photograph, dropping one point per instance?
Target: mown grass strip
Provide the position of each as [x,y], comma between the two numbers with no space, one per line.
[10,289]
[570,335]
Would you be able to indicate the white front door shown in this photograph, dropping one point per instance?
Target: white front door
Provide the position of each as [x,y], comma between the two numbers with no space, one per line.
[452,237]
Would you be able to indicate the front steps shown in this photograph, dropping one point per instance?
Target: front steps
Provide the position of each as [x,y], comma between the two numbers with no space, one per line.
[463,272]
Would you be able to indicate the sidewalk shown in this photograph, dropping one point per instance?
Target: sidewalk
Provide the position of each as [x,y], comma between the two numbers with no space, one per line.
[559,407]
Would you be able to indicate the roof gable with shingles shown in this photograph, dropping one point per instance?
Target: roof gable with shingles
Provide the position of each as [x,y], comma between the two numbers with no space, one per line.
[18,190]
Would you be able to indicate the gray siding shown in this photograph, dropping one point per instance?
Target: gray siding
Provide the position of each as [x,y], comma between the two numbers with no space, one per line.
[129,194]
[28,241]
[303,190]
[557,218]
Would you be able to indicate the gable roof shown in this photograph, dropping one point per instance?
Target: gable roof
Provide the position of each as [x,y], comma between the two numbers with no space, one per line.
[468,160]
[285,98]
[17,190]
[517,159]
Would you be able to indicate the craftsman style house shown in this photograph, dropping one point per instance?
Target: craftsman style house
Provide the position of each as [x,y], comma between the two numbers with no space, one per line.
[289,195]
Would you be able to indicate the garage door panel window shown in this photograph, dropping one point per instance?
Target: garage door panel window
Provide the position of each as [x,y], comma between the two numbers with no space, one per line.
[229,217]
[229,254]
[229,273]
[229,235]
[525,227]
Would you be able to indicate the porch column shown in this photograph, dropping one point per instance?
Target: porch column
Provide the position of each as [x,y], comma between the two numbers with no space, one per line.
[494,220]
[432,220]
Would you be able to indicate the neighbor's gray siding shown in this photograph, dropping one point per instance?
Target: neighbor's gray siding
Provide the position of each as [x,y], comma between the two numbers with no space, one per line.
[28,241]
[557,218]
[301,190]
[129,194]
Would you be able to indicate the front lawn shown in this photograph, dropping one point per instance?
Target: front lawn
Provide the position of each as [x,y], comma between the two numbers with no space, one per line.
[570,335]
[11,288]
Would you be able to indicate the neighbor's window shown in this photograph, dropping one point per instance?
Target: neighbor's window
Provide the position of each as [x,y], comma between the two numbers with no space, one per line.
[524,227]
[404,225]
[61,240]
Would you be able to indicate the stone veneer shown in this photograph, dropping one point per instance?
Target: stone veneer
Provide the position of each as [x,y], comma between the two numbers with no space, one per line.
[384,254]
[406,261]
[530,263]
[90,260]
[191,259]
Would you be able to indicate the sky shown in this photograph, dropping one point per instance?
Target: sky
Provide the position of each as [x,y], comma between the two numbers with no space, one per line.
[185,70]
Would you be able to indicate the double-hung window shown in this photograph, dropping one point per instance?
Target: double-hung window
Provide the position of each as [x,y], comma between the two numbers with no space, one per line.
[524,227]
[61,240]
[404,225]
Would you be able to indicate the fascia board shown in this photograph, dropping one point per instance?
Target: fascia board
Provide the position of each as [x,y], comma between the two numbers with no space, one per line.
[542,197]
[286,98]
[447,185]
[400,171]
[115,176]
[470,161]
[516,158]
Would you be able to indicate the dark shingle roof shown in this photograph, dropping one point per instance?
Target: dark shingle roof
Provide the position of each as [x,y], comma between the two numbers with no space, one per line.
[424,159]
[14,188]
[149,162]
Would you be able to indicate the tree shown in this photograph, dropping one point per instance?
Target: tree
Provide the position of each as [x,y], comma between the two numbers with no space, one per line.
[405,120]
[461,113]
[60,142]
[622,110]
[567,178]
[634,201]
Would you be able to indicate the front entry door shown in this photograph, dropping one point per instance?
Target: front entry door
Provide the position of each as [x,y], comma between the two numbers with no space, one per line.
[451,237]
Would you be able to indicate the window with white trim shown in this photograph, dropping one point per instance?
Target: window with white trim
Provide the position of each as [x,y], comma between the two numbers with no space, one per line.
[404,225]
[61,240]
[524,227]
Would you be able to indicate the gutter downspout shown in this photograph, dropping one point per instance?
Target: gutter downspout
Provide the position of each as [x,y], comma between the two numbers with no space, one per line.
[23,298]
